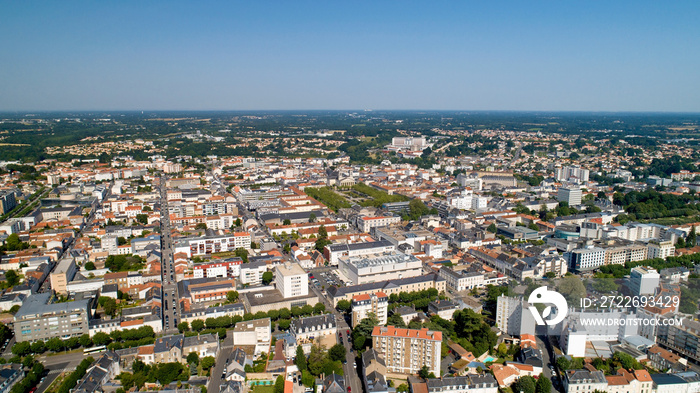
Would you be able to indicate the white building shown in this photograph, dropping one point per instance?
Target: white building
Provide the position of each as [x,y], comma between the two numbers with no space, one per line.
[255,333]
[376,303]
[291,280]
[375,268]
[252,272]
[365,224]
[644,280]
[574,174]
[570,195]
[660,249]
[513,316]
[587,258]
[461,280]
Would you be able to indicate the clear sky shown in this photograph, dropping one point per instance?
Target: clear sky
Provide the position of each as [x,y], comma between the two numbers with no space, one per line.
[466,55]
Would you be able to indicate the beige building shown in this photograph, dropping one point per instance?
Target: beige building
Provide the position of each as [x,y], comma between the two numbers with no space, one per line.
[62,275]
[411,284]
[406,351]
[376,303]
[255,333]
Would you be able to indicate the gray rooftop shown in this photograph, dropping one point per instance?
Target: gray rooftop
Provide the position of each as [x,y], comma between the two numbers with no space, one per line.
[38,304]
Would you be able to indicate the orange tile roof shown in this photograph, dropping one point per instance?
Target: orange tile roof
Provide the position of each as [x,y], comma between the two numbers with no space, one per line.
[391,331]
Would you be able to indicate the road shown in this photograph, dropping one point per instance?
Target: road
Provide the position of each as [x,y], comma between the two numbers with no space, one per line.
[57,364]
[352,378]
[222,360]
[171,304]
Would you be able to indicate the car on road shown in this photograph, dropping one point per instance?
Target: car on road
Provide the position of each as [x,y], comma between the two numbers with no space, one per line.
[349,390]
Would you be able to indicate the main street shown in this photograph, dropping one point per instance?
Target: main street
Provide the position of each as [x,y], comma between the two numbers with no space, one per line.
[171,306]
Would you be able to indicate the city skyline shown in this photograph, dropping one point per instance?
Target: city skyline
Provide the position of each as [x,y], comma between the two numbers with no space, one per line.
[317,56]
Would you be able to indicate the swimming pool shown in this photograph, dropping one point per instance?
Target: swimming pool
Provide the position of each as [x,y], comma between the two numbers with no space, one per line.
[489,359]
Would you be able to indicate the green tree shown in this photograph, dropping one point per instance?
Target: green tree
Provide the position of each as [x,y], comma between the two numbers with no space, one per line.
[110,306]
[232,296]
[22,348]
[343,305]
[287,222]
[12,278]
[525,384]
[89,265]
[143,219]
[38,347]
[101,339]
[267,278]
[201,226]
[121,240]
[85,340]
[55,344]
[492,228]
[283,324]
[572,288]
[279,385]
[183,326]
[312,217]
[207,362]
[319,308]
[197,325]
[337,352]
[563,363]
[543,385]
[193,358]
[691,239]
[242,253]
[300,359]
[424,372]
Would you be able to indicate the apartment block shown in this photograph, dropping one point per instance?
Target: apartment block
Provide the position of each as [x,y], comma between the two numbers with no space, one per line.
[226,268]
[660,249]
[644,280]
[376,303]
[212,244]
[291,280]
[406,351]
[461,280]
[39,319]
[513,316]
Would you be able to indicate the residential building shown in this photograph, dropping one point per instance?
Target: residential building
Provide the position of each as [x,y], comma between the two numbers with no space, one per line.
[570,195]
[212,244]
[376,303]
[410,284]
[307,330]
[7,201]
[255,333]
[442,308]
[62,275]
[587,258]
[365,224]
[39,319]
[585,381]
[227,268]
[574,174]
[513,316]
[291,280]
[10,374]
[406,351]
[461,280]
[660,249]
[471,383]
[644,280]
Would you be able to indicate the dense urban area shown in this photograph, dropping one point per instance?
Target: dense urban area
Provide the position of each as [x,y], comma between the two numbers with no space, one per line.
[349,252]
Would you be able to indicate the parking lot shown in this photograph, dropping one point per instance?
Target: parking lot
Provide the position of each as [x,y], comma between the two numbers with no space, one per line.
[325,277]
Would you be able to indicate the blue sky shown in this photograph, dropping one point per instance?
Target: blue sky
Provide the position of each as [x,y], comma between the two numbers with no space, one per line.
[464,55]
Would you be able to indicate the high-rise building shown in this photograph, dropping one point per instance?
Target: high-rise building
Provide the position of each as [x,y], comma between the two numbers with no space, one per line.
[644,280]
[660,249]
[291,280]
[570,195]
[513,316]
[406,351]
[574,174]
[7,201]
[376,303]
